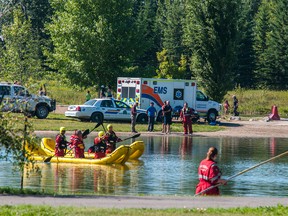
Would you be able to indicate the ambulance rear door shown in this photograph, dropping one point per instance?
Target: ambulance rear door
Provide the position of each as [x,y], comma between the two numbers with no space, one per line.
[128,90]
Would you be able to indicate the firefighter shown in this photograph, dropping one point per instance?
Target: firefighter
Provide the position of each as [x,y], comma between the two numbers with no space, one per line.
[77,144]
[186,116]
[100,145]
[209,174]
[61,143]
[111,139]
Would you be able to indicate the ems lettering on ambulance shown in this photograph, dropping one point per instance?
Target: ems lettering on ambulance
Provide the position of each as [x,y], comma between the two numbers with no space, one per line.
[152,94]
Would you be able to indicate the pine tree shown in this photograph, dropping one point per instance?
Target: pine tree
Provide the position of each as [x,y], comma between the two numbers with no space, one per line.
[211,33]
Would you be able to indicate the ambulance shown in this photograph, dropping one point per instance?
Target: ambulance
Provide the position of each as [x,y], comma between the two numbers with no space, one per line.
[177,91]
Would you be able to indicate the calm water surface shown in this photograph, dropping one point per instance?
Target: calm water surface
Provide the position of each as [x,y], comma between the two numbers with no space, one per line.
[168,167]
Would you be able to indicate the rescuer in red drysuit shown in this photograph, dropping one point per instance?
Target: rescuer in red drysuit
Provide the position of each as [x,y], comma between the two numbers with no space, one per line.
[186,116]
[209,174]
[99,147]
[76,141]
[111,139]
[61,143]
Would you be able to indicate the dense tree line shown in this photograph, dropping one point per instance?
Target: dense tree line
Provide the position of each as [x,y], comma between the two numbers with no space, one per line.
[221,44]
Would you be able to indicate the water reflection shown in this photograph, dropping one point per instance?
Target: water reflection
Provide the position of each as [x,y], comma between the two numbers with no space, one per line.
[169,166]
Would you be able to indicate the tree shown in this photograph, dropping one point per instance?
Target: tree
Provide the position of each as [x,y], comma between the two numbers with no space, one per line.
[169,21]
[15,133]
[271,44]
[145,63]
[211,33]
[20,57]
[94,40]
[244,71]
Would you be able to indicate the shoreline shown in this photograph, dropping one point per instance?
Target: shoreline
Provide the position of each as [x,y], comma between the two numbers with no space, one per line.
[232,128]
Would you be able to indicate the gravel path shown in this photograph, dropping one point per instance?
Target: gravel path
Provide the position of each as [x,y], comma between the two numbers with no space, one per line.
[145,202]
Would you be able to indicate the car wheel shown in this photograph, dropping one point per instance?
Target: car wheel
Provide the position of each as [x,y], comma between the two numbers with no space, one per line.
[42,112]
[212,116]
[96,117]
[142,118]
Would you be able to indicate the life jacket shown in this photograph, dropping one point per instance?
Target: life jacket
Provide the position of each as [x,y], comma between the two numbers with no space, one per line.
[61,141]
[187,111]
[99,145]
[208,171]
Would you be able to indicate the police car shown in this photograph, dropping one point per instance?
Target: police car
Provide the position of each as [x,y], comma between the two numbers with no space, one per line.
[99,109]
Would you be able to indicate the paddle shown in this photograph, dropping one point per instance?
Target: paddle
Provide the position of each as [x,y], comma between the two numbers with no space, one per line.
[132,137]
[242,172]
[85,133]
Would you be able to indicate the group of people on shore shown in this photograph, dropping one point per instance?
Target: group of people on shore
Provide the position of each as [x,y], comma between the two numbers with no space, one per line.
[186,115]
[104,143]
[235,106]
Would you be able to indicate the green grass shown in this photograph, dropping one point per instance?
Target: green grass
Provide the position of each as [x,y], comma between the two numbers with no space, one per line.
[55,121]
[42,210]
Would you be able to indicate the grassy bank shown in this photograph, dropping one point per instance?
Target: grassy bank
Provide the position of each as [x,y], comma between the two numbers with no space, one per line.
[55,121]
[48,210]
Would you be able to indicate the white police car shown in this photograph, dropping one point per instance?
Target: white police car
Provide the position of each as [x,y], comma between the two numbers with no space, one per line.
[99,109]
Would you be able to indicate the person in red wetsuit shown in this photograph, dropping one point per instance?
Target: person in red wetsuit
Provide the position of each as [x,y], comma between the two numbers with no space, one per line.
[111,139]
[76,141]
[186,116]
[99,147]
[209,174]
[61,143]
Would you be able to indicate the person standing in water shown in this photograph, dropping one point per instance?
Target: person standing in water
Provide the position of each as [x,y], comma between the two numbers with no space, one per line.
[209,174]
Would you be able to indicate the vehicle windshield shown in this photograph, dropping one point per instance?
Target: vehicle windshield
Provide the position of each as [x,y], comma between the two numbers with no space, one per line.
[120,104]
[90,102]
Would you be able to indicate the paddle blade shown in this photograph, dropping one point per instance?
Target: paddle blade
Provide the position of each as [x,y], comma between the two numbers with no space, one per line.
[132,137]
[135,136]
[97,125]
[48,159]
[86,132]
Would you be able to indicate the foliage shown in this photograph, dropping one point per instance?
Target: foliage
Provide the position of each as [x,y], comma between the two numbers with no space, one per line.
[169,21]
[271,44]
[93,40]
[219,43]
[211,30]
[20,59]
[13,135]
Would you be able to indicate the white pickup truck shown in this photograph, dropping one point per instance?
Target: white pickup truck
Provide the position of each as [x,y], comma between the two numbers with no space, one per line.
[16,98]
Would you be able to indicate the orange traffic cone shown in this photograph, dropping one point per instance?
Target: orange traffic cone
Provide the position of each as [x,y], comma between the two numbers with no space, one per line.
[274,115]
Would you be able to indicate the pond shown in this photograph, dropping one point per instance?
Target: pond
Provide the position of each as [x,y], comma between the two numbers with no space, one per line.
[168,167]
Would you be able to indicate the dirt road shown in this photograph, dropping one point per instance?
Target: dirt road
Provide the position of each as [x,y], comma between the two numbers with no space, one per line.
[145,202]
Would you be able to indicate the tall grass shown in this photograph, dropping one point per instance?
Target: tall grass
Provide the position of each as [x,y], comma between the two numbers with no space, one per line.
[259,102]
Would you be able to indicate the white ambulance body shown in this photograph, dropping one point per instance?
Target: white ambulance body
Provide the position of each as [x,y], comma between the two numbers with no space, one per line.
[146,90]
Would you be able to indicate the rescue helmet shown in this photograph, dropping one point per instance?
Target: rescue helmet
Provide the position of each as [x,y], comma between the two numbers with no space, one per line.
[62,129]
[109,126]
[101,133]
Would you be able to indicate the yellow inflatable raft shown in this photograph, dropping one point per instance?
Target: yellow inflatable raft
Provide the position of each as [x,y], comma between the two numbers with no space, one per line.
[136,149]
[119,156]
